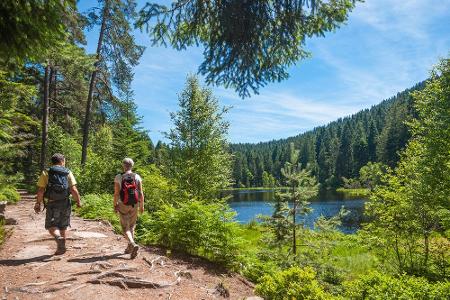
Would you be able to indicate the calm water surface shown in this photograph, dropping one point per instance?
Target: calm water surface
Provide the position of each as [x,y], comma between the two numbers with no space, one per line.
[250,203]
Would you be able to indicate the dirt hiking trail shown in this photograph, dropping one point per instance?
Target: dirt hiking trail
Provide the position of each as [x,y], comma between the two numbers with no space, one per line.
[94,266]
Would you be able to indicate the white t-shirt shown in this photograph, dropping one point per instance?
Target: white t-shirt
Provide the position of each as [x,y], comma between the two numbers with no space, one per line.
[119,178]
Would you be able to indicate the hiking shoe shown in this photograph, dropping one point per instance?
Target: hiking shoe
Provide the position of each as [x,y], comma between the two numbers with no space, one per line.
[129,249]
[61,246]
[134,251]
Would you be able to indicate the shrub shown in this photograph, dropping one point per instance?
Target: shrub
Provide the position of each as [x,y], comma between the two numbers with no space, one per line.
[9,194]
[99,207]
[380,286]
[293,283]
[8,191]
[158,190]
[201,229]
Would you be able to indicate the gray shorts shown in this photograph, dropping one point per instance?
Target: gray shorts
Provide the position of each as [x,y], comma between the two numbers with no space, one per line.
[58,215]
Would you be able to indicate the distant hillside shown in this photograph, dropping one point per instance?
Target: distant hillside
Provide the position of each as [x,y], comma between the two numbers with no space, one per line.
[333,151]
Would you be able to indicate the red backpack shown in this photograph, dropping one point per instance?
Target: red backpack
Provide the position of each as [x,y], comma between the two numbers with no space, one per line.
[129,190]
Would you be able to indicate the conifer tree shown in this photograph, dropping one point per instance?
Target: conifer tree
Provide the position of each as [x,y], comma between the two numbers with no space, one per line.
[116,54]
[301,188]
[200,161]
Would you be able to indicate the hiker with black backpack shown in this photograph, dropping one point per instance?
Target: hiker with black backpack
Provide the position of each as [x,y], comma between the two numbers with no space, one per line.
[55,186]
[128,200]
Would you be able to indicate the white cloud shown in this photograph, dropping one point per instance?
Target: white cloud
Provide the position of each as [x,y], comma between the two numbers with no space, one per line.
[387,46]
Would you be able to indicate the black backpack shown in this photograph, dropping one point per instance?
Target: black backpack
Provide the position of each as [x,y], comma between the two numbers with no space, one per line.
[58,184]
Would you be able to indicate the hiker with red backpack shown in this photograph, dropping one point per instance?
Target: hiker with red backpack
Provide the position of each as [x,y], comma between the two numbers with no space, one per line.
[128,200]
[55,186]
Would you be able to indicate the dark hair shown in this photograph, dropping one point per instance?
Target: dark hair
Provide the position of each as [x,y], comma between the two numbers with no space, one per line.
[57,158]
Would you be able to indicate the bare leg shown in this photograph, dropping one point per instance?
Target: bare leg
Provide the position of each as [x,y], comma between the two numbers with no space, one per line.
[63,233]
[54,232]
[129,237]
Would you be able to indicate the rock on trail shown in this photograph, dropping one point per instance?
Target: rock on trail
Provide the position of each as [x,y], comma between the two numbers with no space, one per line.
[95,267]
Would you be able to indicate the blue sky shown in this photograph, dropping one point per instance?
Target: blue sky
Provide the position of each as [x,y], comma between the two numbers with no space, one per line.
[385,47]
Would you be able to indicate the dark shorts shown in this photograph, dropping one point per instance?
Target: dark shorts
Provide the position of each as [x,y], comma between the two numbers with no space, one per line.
[58,215]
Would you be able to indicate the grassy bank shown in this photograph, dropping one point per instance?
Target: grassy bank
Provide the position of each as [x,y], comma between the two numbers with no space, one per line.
[255,188]
[364,193]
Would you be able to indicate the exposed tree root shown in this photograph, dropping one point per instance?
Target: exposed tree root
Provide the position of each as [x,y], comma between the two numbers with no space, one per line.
[87,272]
[76,288]
[56,288]
[35,283]
[126,282]
[153,261]
[101,265]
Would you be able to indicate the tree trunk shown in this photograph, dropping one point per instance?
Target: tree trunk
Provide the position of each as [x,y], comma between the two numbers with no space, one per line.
[87,118]
[45,110]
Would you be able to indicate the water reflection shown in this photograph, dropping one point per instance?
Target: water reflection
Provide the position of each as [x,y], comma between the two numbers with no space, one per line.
[250,203]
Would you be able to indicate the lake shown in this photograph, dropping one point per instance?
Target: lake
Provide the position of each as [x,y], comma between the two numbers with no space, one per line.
[250,203]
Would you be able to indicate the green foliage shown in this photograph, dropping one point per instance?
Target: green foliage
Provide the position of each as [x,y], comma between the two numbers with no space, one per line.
[371,174]
[8,187]
[199,160]
[119,51]
[195,228]
[9,194]
[30,28]
[16,126]
[410,212]
[374,286]
[268,180]
[280,223]
[158,190]
[99,207]
[301,187]
[354,193]
[293,283]
[329,224]
[241,49]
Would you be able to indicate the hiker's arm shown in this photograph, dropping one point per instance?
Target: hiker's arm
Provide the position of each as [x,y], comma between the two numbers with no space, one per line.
[116,195]
[39,199]
[141,198]
[75,195]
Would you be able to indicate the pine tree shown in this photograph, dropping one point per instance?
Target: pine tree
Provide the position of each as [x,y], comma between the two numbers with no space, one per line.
[301,188]
[201,164]
[116,54]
